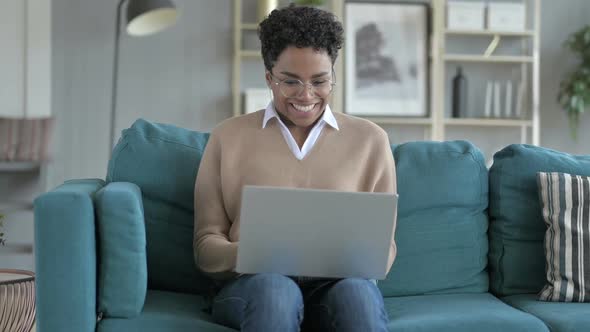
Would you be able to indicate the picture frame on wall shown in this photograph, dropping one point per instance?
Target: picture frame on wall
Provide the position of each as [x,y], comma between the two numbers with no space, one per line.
[386,58]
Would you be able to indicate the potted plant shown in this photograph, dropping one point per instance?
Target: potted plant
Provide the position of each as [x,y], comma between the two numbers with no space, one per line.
[574,90]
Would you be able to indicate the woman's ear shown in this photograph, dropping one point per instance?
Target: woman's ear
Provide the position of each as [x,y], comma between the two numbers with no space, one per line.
[268,78]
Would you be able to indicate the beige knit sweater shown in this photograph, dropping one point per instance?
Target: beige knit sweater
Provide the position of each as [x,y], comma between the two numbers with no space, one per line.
[357,157]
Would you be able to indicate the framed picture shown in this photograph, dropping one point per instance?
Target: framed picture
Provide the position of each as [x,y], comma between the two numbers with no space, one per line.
[386,58]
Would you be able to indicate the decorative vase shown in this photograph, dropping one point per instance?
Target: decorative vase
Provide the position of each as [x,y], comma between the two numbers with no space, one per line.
[459,100]
[265,7]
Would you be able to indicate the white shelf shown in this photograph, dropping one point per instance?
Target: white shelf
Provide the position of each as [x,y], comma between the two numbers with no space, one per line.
[249,26]
[400,120]
[526,33]
[490,59]
[484,122]
[19,166]
[250,54]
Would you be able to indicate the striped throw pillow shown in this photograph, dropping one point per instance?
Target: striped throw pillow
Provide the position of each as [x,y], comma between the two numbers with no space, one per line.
[565,199]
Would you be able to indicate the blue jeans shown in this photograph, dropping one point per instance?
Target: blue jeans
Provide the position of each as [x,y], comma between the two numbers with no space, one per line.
[273,302]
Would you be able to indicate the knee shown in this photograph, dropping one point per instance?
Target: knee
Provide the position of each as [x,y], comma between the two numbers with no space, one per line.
[361,294]
[356,305]
[275,292]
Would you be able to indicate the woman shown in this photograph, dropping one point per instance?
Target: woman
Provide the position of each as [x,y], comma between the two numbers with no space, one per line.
[295,142]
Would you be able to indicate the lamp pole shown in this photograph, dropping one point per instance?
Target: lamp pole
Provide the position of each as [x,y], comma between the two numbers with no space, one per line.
[115,78]
[144,17]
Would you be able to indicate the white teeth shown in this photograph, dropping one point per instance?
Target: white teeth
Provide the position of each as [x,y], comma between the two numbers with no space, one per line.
[303,108]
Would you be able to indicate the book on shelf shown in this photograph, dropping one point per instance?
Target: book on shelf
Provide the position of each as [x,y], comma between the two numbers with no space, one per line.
[488,102]
[508,100]
[518,111]
[497,97]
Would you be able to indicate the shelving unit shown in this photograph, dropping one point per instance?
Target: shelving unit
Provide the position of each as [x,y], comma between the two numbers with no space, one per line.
[489,33]
[488,122]
[436,125]
[528,61]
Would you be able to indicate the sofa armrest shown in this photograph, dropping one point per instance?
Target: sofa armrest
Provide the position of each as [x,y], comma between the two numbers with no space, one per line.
[65,257]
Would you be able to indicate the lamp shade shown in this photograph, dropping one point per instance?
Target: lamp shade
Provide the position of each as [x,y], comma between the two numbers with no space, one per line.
[145,17]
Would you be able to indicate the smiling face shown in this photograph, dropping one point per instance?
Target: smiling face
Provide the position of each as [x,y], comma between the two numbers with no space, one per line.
[308,66]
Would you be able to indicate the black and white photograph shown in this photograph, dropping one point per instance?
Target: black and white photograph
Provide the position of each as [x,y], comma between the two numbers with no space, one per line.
[386,65]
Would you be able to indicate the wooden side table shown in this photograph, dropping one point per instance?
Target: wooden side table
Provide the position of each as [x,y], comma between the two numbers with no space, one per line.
[17,300]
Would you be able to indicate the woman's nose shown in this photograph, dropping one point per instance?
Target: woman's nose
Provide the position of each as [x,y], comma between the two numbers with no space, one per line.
[308,91]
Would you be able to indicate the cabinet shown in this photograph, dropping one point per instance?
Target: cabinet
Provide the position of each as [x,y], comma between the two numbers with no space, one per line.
[480,57]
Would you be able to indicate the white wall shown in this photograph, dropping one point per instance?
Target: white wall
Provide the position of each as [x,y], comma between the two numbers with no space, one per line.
[560,19]
[182,76]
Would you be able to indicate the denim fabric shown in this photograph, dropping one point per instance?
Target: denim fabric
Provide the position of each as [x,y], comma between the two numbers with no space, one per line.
[272,302]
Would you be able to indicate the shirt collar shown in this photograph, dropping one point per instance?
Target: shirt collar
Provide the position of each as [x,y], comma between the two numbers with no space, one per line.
[327,117]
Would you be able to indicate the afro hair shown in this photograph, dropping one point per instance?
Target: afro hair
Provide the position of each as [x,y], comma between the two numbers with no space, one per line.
[300,27]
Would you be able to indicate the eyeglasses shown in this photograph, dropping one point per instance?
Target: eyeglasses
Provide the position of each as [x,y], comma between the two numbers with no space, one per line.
[292,87]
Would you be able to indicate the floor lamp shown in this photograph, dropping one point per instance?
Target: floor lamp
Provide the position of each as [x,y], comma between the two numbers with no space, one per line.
[144,17]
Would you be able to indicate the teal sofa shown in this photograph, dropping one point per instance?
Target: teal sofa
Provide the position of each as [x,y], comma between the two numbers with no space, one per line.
[470,253]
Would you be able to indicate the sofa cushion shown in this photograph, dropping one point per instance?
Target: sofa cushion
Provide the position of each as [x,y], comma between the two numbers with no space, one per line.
[442,222]
[566,209]
[560,317]
[166,311]
[457,313]
[163,161]
[122,270]
[517,230]
[65,257]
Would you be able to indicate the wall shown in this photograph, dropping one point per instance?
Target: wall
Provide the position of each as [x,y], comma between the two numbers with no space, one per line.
[560,19]
[183,74]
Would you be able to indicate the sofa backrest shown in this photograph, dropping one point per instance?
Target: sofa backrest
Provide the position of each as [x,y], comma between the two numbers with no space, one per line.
[517,228]
[442,221]
[163,161]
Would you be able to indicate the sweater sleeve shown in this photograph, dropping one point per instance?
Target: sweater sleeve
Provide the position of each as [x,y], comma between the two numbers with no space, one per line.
[214,253]
[386,182]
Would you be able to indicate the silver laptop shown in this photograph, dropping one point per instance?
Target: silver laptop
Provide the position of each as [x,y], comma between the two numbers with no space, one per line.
[315,233]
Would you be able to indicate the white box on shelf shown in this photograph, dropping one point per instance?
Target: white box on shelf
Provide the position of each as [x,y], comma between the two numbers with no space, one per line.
[256,99]
[465,15]
[506,16]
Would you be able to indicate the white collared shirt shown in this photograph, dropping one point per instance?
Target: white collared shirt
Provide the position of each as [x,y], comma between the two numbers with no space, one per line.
[327,118]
